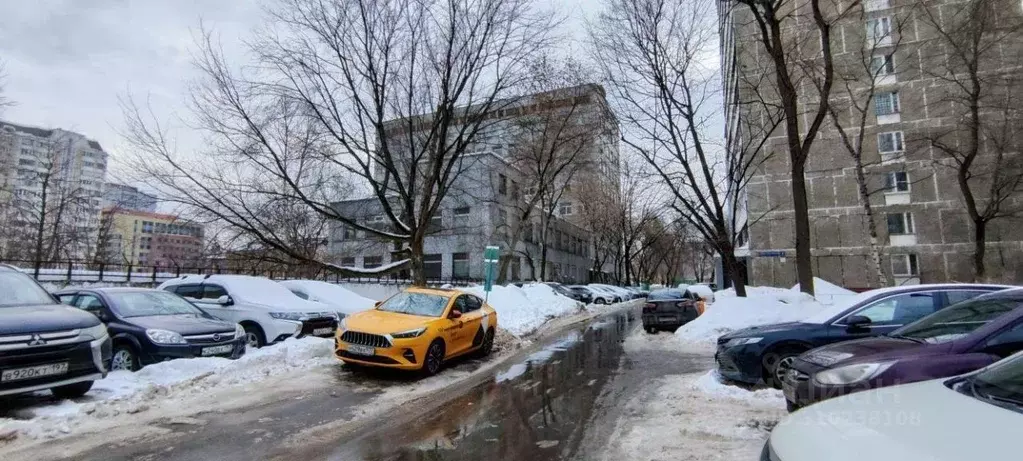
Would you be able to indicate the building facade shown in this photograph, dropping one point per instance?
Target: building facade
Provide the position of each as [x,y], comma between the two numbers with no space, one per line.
[50,179]
[127,197]
[142,238]
[925,232]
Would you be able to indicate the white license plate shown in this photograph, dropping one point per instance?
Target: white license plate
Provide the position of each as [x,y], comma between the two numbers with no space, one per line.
[218,350]
[18,374]
[361,350]
[667,319]
[323,331]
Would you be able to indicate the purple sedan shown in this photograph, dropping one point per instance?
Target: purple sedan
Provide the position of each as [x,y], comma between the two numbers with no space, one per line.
[953,341]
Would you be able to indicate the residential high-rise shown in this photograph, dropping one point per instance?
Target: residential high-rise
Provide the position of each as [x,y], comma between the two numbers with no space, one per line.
[914,56]
[127,197]
[51,182]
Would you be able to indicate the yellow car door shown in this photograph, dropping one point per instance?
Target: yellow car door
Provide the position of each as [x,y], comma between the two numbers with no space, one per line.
[476,324]
[456,329]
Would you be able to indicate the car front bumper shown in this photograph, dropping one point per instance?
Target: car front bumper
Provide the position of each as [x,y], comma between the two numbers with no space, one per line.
[740,363]
[402,354]
[154,353]
[87,361]
[284,329]
[801,389]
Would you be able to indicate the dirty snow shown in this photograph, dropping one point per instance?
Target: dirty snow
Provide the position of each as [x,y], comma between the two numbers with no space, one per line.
[168,383]
[714,385]
[761,306]
[522,310]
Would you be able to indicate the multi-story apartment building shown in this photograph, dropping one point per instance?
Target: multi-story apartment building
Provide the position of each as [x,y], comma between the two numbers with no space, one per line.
[127,197]
[150,239]
[54,177]
[483,205]
[925,233]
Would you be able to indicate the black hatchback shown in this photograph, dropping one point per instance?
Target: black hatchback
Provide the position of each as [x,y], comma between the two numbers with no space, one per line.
[669,309]
[149,326]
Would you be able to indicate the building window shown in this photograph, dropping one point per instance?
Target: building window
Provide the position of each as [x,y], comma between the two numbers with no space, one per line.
[879,30]
[462,211]
[881,66]
[905,266]
[515,190]
[900,224]
[349,232]
[565,208]
[436,222]
[502,184]
[890,142]
[432,265]
[348,261]
[887,103]
[897,181]
[460,265]
[369,262]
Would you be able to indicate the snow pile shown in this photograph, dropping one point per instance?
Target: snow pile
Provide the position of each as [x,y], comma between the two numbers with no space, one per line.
[714,385]
[335,296]
[703,291]
[762,306]
[521,311]
[169,382]
[828,293]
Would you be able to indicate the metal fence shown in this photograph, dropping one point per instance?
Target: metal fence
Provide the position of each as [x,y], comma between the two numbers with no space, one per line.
[67,272]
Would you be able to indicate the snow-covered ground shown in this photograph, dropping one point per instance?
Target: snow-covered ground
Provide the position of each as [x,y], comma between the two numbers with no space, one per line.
[522,310]
[761,306]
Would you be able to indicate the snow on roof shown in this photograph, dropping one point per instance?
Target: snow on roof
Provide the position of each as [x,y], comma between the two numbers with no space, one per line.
[336,296]
[373,270]
[256,290]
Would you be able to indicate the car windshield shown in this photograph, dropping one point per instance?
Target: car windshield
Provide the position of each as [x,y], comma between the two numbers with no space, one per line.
[20,290]
[1001,383]
[422,304]
[146,303]
[661,295]
[957,321]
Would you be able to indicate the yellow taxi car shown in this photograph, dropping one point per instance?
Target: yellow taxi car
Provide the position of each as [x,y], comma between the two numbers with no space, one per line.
[417,329]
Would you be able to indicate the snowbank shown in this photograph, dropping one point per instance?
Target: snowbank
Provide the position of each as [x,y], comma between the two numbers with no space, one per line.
[828,293]
[521,311]
[168,383]
[762,306]
[714,385]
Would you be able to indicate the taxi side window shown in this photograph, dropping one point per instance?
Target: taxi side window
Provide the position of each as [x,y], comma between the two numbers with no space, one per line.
[472,303]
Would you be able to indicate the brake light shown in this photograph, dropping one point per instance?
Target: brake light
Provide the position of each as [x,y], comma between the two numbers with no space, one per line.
[649,307]
[682,304]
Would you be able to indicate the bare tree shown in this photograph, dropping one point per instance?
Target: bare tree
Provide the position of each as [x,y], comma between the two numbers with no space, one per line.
[652,54]
[976,50]
[792,42]
[859,77]
[383,97]
[4,100]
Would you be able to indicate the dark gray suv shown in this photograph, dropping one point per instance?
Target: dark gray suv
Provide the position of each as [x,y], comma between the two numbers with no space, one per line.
[45,344]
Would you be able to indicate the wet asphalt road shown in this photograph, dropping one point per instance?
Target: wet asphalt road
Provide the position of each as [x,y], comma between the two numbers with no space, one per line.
[537,406]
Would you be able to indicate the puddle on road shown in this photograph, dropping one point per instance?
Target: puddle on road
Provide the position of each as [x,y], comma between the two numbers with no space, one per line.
[533,409]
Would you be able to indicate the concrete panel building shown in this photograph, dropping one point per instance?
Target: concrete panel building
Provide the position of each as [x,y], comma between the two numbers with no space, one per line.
[150,239]
[127,197]
[925,232]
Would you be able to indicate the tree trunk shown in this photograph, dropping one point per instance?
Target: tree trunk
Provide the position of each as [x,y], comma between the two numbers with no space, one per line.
[416,256]
[979,248]
[41,227]
[502,273]
[543,262]
[875,239]
[730,263]
[804,273]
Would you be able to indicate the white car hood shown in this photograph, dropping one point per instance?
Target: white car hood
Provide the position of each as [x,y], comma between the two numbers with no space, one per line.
[915,422]
[296,305]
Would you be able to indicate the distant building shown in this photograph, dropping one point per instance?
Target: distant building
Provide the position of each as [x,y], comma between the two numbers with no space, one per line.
[52,176]
[127,197]
[150,239]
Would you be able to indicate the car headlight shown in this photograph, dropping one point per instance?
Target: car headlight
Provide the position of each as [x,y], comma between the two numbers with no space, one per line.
[165,337]
[293,316]
[343,324]
[94,333]
[409,334]
[340,316]
[852,373]
[742,341]
[239,330]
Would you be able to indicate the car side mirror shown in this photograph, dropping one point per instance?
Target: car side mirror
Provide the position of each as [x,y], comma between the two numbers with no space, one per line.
[225,300]
[377,304]
[455,314]
[857,321]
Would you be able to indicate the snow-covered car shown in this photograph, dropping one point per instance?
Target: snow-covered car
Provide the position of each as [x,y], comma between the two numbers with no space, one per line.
[267,310]
[603,295]
[623,293]
[342,301]
[974,416]
[700,289]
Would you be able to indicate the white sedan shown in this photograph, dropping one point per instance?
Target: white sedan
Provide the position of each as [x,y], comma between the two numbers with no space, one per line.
[971,417]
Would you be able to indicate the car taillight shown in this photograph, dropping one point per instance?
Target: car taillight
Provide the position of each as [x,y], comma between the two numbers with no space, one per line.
[649,307]
[682,304]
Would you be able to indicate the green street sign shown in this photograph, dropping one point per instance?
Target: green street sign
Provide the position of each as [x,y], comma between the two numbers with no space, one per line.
[491,256]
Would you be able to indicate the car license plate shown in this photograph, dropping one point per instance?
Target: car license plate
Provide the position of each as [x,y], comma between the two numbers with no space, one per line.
[323,332]
[218,350]
[18,374]
[666,319]
[361,350]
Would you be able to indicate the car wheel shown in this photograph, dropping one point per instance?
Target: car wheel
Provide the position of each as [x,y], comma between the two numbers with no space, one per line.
[72,391]
[434,358]
[600,301]
[777,362]
[124,359]
[791,407]
[488,343]
[254,336]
